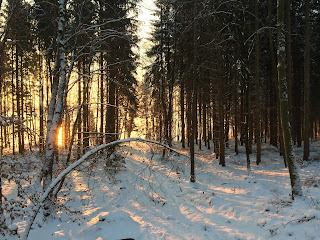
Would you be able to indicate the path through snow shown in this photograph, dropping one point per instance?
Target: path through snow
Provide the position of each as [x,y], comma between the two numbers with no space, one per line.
[151,198]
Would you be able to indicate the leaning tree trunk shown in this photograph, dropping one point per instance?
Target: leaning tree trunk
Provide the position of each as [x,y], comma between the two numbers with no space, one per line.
[284,114]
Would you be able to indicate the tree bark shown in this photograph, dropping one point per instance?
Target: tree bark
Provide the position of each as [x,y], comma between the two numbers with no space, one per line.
[284,114]
[101,97]
[221,110]
[306,132]
[55,112]
[257,86]
[182,113]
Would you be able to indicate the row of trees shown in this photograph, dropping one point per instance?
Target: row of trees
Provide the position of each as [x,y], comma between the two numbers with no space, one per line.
[69,64]
[221,57]
[99,37]
[214,74]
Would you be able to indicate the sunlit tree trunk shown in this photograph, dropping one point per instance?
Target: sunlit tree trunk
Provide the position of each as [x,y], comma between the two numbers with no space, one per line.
[182,111]
[86,78]
[22,95]
[101,97]
[55,111]
[18,99]
[284,114]
[189,117]
[41,112]
[79,143]
[12,101]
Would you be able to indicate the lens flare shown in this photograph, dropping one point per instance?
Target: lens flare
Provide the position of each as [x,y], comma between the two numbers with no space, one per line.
[60,137]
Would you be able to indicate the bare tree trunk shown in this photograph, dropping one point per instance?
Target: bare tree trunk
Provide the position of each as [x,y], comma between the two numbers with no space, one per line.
[221,110]
[85,140]
[199,121]
[79,137]
[194,95]
[257,85]
[22,93]
[55,112]
[284,115]
[193,129]
[18,99]
[12,102]
[289,58]
[182,113]
[111,121]
[246,124]
[235,106]
[306,132]
[204,125]
[101,97]
[41,99]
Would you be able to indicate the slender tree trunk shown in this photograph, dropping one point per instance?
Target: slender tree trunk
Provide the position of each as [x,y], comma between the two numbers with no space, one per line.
[289,58]
[41,99]
[80,119]
[247,94]
[242,115]
[193,130]
[22,93]
[221,110]
[306,132]
[189,116]
[199,119]
[284,115]
[101,97]
[273,112]
[235,106]
[12,102]
[257,86]
[182,113]
[111,121]
[204,122]
[194,95]
[85,122]
[18,98]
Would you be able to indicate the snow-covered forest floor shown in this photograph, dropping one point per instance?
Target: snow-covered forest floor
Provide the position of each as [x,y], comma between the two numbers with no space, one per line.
[145,196]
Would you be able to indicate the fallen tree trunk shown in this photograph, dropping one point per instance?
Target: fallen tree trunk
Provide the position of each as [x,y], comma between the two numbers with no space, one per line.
[83,159]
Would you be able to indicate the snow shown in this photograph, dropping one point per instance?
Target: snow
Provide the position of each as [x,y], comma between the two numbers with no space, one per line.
[148,197]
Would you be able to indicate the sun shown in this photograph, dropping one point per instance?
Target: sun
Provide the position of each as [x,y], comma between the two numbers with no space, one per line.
[60,137]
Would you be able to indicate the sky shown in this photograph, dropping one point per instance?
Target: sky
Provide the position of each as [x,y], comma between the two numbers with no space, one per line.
[145,17]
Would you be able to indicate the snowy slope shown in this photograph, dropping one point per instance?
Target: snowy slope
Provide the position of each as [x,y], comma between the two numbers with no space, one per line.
[149,197]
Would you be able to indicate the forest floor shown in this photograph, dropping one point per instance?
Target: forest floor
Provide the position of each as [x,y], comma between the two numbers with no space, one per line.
[150,197]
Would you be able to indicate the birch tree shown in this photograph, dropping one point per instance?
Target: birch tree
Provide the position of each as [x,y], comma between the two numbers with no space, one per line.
[55,111]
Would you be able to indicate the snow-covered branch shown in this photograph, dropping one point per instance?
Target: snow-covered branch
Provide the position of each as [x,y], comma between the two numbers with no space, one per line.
[83,159]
